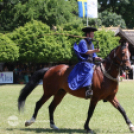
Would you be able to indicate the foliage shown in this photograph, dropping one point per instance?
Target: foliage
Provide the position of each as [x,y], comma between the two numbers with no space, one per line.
[51,12]
[124,8]
[107,42]
[111,19]
[9,52]
[38,44]
[15,13]
[112,5]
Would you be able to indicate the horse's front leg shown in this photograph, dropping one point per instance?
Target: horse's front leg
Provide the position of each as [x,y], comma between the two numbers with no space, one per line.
[90,113]
[117,105]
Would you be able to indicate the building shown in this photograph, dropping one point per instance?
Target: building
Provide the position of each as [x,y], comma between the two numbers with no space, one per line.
[127,34]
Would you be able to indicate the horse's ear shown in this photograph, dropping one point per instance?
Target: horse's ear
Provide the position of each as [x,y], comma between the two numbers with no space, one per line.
[124,45]
[124,42]
[127,44]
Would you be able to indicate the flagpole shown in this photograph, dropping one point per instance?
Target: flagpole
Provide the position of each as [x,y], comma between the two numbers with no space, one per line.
[87,20]
[87,15]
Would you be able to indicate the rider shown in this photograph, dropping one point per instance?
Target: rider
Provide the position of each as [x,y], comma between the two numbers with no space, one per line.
[87,55]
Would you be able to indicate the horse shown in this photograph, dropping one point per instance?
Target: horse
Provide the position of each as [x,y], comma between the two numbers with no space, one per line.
[105,86]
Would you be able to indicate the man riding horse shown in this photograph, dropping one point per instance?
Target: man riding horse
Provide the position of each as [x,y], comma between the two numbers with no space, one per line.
[105,83]
[87,56]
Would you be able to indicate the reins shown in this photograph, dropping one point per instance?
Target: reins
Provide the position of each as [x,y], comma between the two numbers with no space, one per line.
[112,63]
[106,72]
[107,75]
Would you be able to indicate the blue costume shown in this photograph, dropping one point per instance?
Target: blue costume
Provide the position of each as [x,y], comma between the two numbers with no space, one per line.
[82,73]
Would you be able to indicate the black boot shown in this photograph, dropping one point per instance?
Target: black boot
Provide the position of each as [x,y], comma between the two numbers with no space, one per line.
[88,92]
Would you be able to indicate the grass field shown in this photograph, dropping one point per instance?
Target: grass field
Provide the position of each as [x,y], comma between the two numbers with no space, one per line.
[70,115]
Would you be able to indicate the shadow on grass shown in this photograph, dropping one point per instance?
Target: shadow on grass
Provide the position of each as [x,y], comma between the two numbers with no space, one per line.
[49,130]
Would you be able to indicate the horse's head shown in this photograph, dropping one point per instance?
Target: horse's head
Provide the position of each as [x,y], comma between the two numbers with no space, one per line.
[121,56]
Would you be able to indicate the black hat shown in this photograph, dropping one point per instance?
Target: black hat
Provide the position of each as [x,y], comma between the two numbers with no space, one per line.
[89,29]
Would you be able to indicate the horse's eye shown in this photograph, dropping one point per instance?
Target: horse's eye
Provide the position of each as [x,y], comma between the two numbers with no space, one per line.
[123,54]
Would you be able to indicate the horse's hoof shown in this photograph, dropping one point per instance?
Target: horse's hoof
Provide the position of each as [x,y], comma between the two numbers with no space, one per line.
[28,123]
[131,127]
[89,131]
[54,127]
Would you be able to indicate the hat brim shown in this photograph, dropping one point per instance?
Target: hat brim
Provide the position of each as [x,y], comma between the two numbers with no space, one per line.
[89,29]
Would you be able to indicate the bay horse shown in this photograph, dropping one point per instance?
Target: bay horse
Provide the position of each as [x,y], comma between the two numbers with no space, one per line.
[105,86]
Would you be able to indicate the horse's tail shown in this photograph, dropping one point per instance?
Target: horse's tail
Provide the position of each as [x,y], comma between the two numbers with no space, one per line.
[34,81]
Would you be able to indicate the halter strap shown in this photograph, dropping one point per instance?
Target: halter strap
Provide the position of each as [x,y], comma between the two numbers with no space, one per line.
[109,76]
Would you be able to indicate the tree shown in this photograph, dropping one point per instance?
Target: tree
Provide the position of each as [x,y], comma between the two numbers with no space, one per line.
[111,19]
[111,5]
[123,8]
[107,42]
[38,44]
[51,12]
[9,51]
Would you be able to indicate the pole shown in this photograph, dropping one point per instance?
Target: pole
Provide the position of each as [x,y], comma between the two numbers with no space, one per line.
[87,20]
[87,13]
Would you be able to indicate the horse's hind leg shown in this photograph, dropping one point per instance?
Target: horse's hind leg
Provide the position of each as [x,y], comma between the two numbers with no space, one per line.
[42,100]
[57,99]
[117,105]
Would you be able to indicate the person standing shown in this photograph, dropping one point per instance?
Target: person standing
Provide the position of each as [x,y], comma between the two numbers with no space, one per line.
[133,69]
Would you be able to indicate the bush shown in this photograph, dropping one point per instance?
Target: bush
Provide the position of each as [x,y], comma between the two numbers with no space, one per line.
[9,51]
[37,43]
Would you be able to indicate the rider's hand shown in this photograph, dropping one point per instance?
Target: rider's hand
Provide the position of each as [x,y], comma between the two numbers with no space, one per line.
[97,50]
[98,59]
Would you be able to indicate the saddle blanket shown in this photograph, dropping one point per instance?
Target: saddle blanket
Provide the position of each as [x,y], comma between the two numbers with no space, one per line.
[81,75]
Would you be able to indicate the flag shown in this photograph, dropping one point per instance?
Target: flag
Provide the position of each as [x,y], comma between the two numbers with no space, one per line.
[87,7]
[92,9]
[82,7]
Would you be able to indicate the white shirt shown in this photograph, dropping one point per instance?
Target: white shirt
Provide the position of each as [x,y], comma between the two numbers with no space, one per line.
[133,67]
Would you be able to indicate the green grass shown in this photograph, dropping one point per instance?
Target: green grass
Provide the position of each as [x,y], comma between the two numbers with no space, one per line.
[70,115]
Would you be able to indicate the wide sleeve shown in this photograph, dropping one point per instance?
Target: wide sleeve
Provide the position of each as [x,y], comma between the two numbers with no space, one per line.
[80,50]
[83,47]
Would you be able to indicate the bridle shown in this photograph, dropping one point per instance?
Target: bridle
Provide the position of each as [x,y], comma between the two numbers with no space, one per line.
[114,62]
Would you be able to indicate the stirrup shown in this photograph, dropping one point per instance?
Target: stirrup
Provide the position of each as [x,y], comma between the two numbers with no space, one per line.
[88,93]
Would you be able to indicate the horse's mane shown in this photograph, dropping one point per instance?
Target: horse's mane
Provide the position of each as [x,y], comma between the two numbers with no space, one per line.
[110,53]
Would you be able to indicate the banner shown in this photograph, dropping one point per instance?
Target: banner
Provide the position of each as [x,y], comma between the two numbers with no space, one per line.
[6,77]
[88,8]
[92,9]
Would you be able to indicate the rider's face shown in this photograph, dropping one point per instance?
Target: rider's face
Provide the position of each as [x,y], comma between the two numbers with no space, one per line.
[91,34]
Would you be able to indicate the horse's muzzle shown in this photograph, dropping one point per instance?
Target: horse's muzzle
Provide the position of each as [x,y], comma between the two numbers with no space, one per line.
[127,68]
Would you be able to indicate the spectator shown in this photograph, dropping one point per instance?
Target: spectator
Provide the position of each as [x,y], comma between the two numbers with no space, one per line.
[46,67]
[40,67]
[22,71]
[124,74]
[133,69]
[32,70]
[27,75]
[5,68]
[16,74]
